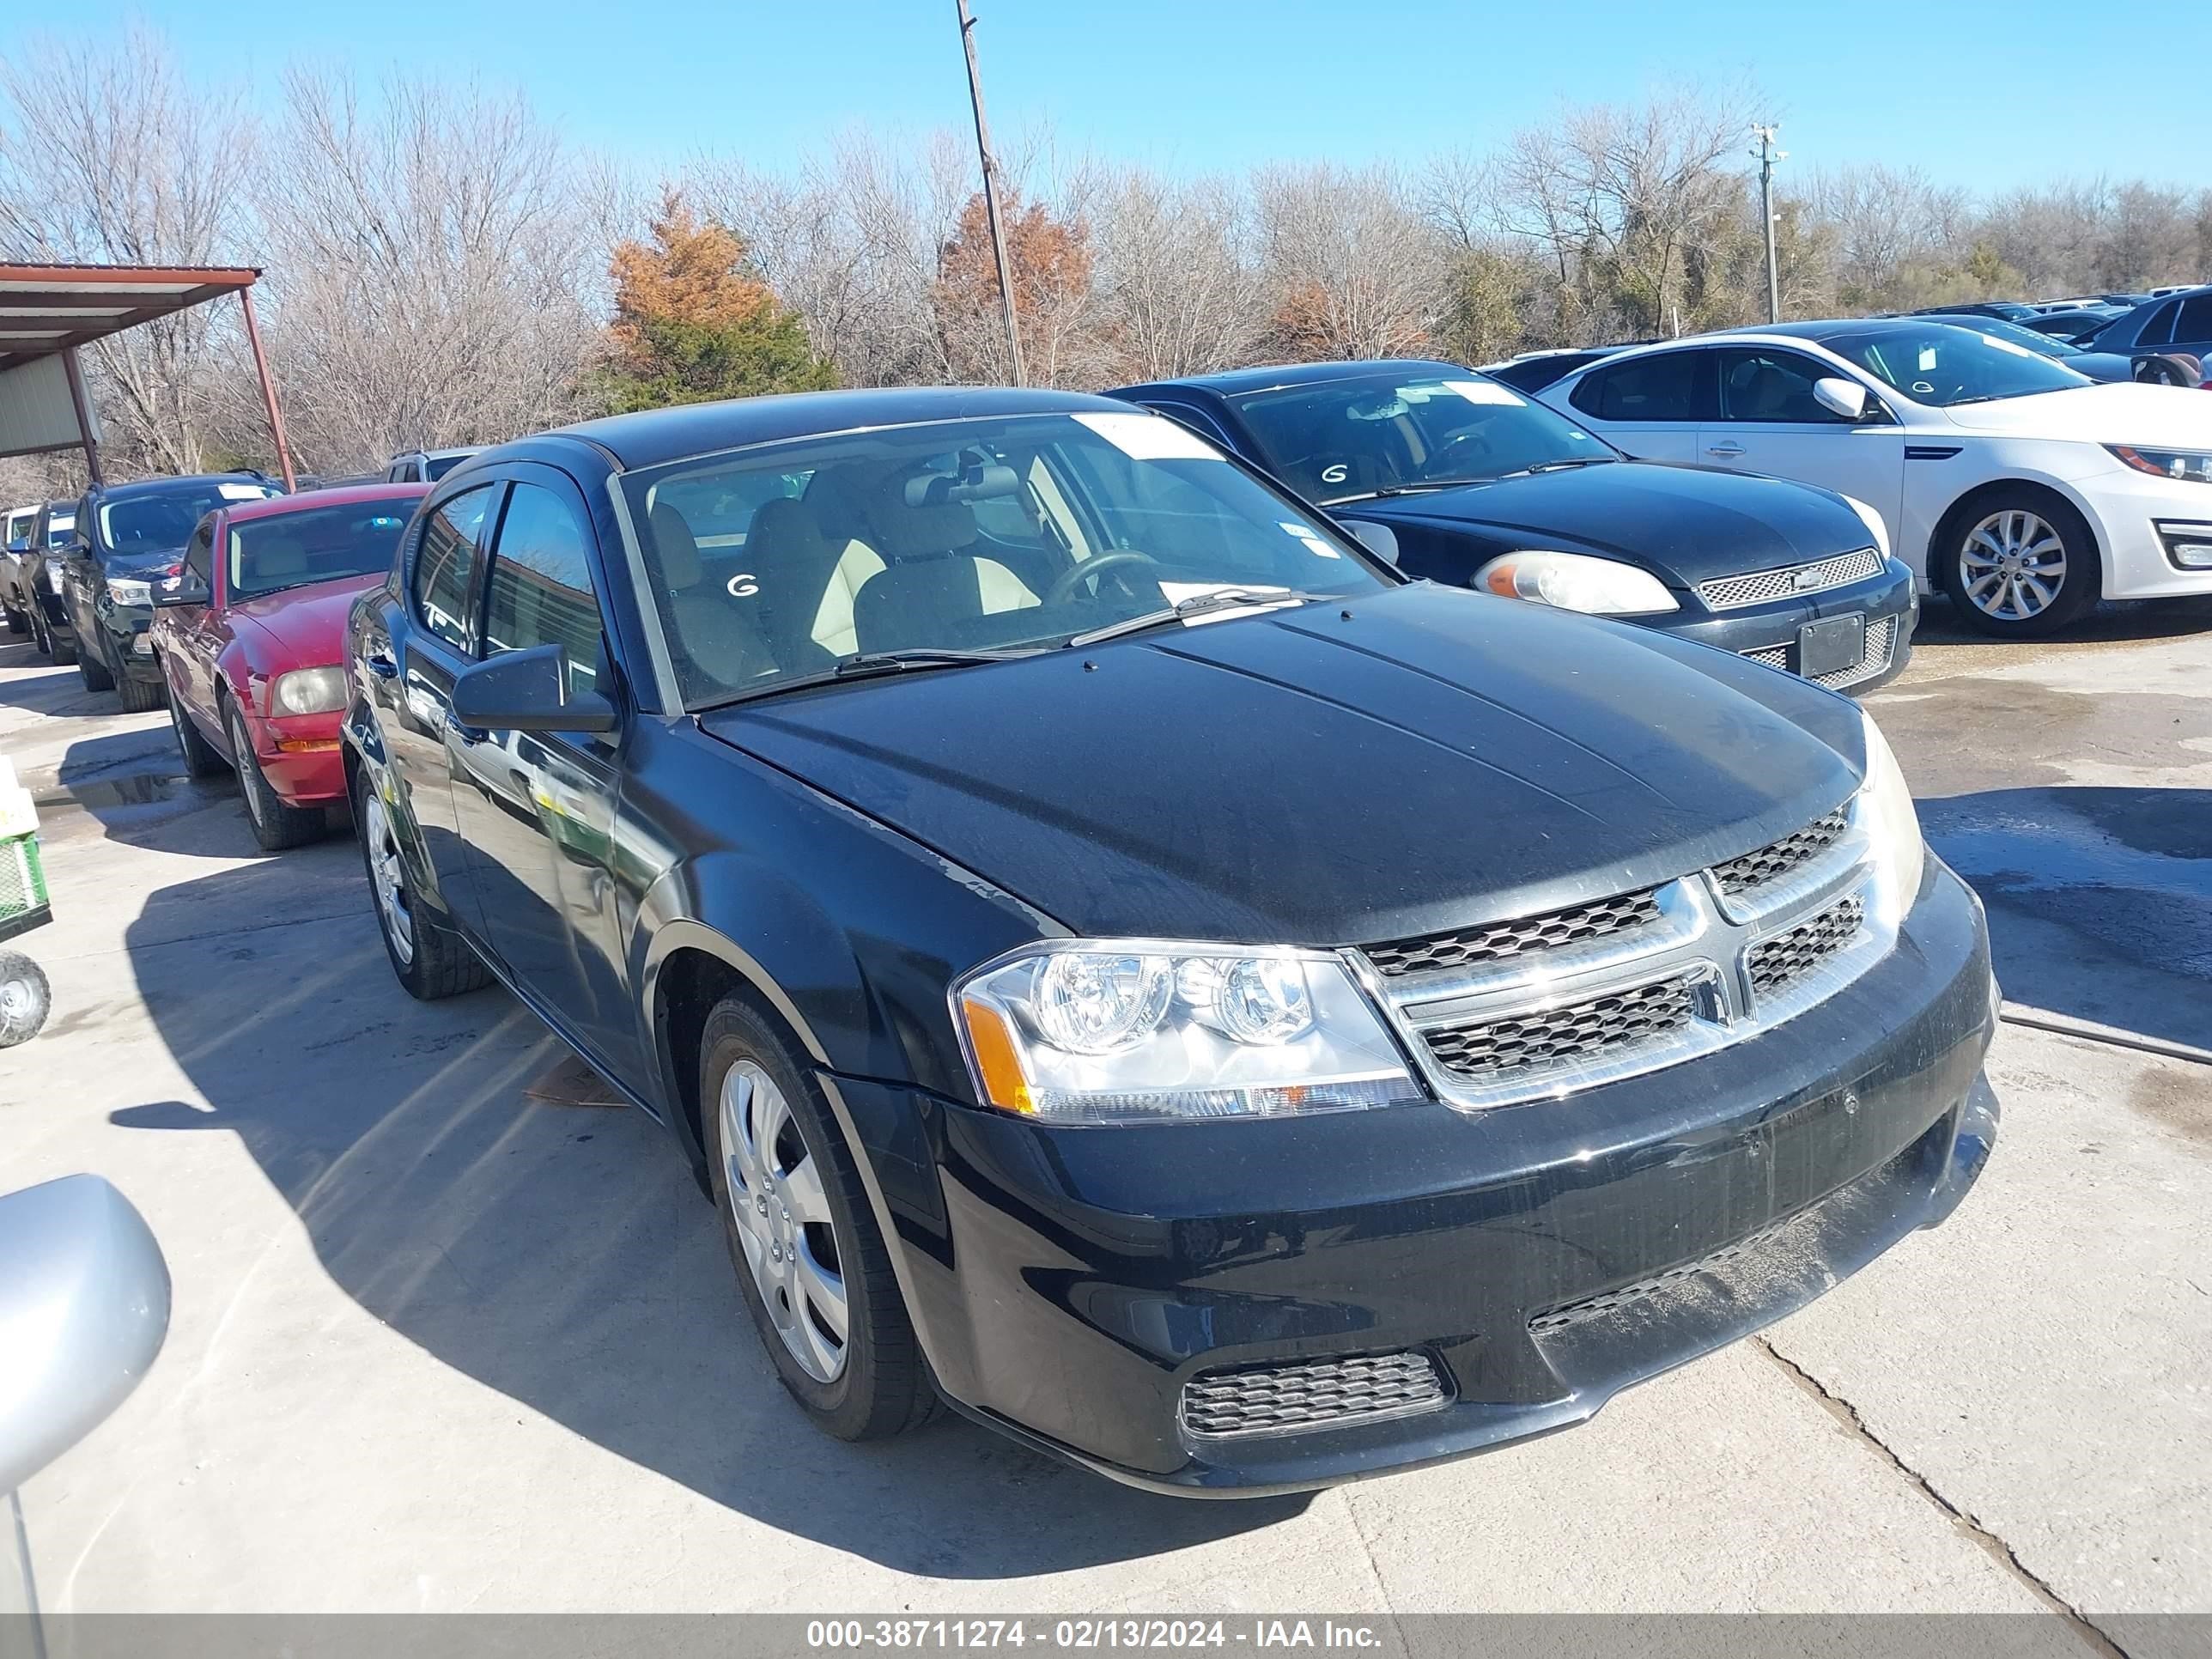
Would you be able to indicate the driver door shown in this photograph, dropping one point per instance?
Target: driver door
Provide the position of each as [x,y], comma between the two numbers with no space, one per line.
[1771,423]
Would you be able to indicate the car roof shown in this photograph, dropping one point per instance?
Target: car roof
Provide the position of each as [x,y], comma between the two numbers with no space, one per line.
[1274,377]
[161,486]
[657,435]
[277,506]
[439,454]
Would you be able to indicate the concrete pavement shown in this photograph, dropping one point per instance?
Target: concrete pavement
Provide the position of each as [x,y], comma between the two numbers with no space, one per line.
[441,1345]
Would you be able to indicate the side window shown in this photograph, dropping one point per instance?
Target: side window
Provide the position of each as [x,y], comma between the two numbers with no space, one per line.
[541,585]
[446,565]
[199,555]
[2195,323]
[1759,384]
[2159,330]
[1669,385]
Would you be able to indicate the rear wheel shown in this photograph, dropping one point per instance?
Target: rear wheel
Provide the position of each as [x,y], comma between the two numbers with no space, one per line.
[809,1256]
[430,961]
[139,696]
[2021,565]
[91,667]
[18,622]
[275,825]
[25,999]
[202,759]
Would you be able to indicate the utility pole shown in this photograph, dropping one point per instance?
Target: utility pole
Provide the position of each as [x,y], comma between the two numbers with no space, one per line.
[1768,155]
[991,196]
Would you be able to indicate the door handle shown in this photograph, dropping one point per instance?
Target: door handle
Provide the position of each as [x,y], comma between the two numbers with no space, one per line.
[381,666]
[1729,450]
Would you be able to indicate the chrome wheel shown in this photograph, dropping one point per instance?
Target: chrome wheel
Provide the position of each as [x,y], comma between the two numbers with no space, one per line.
[783,1222]
[386,875]
[2013,565]
[241,757]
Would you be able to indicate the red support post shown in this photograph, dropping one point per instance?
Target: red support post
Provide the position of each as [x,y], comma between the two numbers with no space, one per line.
[267,390]
[83,407]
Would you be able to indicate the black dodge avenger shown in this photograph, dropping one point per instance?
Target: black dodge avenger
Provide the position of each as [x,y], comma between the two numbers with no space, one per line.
[1466,481]
[1127,964]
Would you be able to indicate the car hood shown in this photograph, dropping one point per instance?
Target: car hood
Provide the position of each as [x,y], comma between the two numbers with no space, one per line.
[1686,524]
[140,560]
[2130,414]
[1433,758]
[304,627]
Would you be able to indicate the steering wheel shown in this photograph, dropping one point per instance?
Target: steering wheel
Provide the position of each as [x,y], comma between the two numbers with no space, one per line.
[1452,448]
[1075,575]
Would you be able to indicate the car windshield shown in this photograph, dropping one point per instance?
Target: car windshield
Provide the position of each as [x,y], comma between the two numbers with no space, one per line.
[1948,364]
[19,529]
[787,562]
[439,465]
[59,529]
[1345,439]
[157,522]
[314,544]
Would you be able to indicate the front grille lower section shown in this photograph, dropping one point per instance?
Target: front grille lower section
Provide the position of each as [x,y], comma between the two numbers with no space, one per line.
[1312,1393]
[1774,964]
[1880,636]
[1574,1034]
[1770,863]
[1500,941]
[1792,582]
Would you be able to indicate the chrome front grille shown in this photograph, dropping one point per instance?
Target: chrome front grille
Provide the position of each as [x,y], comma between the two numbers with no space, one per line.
[1776,962]
[1576,1034]
[1791,581]
[1312,1393]
[1881,639]
[1579,997]
[1500,940]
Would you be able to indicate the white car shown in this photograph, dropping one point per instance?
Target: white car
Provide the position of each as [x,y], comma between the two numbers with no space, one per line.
[2021,488]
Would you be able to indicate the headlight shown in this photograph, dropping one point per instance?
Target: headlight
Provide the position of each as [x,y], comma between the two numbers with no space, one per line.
[1121,1030]
[129,589]
[1576,581]
[54,575]
[2194,465]
[1885,813]
[308,691]
[1871,519]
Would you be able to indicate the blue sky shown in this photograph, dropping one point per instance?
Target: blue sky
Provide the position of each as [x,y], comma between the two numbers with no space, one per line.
[1984,96]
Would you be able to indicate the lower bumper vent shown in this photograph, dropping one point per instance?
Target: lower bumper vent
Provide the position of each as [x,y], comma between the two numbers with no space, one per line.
[1581,1032]
[1312,1393]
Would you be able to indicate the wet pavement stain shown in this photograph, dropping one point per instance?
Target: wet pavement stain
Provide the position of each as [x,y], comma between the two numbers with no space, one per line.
[2179,1099]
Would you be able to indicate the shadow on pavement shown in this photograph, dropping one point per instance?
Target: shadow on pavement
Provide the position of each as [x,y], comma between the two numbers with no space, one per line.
[2114,622]
[562,1255]
[45,688]
[2099,899]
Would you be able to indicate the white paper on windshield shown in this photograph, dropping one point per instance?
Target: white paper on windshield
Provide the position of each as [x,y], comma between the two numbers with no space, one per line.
[1488,391]
[241,492]
[1314,543]
[1151,437]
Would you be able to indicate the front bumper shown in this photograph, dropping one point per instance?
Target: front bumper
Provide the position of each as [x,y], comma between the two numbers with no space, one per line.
[1769,632]
[300,756]
[1068,1283]
[2129,508]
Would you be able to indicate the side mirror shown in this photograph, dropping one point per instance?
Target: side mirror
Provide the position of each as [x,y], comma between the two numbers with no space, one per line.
[84,1305]
[183,588]
[1840,397]
[1377,538]
[527,691]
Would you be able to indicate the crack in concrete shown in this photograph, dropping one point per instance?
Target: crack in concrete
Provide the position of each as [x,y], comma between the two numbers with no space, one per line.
[2006,1557]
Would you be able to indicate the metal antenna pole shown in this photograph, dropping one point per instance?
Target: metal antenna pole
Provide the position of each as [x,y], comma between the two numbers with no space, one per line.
[1768,155]
[991,195]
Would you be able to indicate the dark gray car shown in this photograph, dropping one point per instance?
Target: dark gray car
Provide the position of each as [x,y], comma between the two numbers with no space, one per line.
[2178,322]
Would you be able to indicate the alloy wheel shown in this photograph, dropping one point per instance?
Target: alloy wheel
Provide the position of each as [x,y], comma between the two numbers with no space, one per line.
[783,1221]
[387,876]
[2013,565]
[241,750]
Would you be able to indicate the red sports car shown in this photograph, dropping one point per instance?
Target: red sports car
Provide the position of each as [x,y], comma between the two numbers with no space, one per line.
[251,636]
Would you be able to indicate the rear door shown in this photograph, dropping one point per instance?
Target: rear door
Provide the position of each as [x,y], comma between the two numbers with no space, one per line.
[2192,327]
[538,809]
[1650,406]
[1771,423]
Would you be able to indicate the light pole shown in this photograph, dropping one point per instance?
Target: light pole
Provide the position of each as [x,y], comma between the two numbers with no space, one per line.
[1768,155]
[991,196]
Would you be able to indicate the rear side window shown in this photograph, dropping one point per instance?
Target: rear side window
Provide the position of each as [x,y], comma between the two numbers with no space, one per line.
[446,566]
[2195,323]
[2159,330]
[541,585]
[1761,384]
[1671,385]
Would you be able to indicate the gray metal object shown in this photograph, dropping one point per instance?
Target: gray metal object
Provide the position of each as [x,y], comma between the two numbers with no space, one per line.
[84,1304]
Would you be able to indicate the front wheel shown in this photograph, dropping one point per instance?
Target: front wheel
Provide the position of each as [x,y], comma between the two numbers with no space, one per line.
[18,622]
[275,825]
[2020,566]
[430,962]
[25,999]
[90,667]
[809,1256]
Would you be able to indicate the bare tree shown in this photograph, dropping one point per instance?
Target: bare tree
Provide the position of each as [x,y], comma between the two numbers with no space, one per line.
[1178,292]
[109,155]
[1352,269]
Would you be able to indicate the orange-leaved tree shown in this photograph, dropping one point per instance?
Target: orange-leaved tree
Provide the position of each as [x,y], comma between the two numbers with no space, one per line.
[1051,259]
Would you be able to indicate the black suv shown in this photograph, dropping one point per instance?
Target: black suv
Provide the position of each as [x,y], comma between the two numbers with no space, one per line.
[128,538]
[1129,963]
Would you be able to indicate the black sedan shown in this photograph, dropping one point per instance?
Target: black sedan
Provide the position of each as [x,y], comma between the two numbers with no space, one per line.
[1126,963]
[1465,481]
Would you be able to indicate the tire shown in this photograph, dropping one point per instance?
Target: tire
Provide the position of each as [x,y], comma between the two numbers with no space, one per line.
[202,758]
[18,622]
[90,667]
[2019,563]
[26,999]
[764,1121]
[138,697]
[275,825]
[430,962]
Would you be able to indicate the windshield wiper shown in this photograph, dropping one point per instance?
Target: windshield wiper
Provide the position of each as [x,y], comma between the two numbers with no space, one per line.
[1566,463]
[869,664]
[1198,605]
